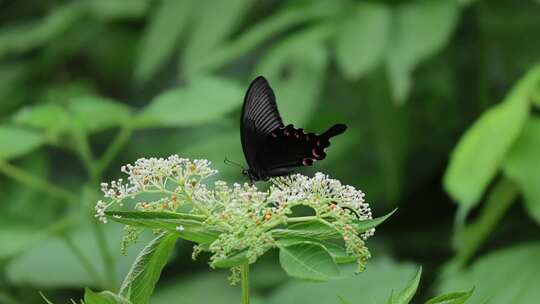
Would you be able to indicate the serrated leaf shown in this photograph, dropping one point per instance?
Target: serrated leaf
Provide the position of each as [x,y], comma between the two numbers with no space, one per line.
[191,225]
[204,99]
[361,42]
[311,229]
[104,297]
[365,225]
[308,261]
[405,296]
[16,141]
[94,114]
[503,276]
[522,165]
[452,298]
[161,36]
[421,28]
[232,261]
[480,152]
[139,283]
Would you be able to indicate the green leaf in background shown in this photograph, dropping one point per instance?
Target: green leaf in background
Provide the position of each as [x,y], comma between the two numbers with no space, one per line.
[421,29]
[480,152]
[304,58]
[161,36]
[16,141]
[203,100]
[26,36]
[94,114]
[371,286]
[50,117]
[210,287]
[452,298]
[51,264]
[405,296]
[361,43]
[215,22]
[501,277]
[118,9]
[104,297]
[143,276]
[523,166]
[308,261]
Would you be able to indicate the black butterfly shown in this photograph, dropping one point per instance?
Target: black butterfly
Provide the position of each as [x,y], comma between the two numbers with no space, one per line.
[271,148]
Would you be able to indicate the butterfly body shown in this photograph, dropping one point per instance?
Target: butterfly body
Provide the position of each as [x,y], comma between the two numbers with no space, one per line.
[271,148]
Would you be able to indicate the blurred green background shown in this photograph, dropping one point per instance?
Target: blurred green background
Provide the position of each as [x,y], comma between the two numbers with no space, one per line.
[86,86]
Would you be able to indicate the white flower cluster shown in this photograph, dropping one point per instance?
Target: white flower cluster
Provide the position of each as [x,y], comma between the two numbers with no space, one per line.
[244,216]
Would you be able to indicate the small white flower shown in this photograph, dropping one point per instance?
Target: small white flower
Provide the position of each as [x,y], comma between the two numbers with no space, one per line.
[180,228]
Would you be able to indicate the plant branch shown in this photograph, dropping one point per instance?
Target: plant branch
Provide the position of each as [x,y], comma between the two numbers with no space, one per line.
[114,148]
[473,235]
[85,262]
[35,182]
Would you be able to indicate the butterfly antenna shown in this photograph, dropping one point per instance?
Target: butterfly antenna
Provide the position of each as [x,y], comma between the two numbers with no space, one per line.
[229,162]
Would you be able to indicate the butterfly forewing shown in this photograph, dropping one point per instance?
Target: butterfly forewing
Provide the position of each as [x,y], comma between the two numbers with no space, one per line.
[260,116]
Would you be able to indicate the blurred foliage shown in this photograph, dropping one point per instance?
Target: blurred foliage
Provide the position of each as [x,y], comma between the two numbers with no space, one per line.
[88,85]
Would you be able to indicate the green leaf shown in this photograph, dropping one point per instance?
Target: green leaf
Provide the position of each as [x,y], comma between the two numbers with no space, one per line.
[50,117]
[421,28]
[139,283]
[16,237]
[504,276]
[118,9]
[215,21]
[304,58]
[204,99]
[26,36]
[406,295]
[16,141]
[234,260]
[50,263]
[192,227]
[522,166]
[94,114]
[361,42]
[311,229]
[452,298]
[308,261]
[161,35]
[480,152]
[365,225]
[372,286]
[104,297]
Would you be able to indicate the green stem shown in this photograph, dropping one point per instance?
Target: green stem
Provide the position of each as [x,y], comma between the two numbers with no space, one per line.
[114,148]
[35,182]
[501,197]
[83,149]
[245,283]
[85,262]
